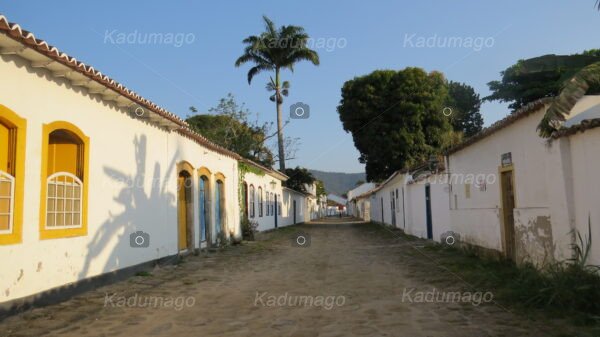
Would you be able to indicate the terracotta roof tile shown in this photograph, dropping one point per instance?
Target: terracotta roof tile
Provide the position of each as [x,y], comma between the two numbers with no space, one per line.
[586,124]
[27,38]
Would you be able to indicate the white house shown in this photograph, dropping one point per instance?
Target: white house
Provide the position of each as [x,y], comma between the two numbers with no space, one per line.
[267,202]
[506,189]
[97,181]
[355,192]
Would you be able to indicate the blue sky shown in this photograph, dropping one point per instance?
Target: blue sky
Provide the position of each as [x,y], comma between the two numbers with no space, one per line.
[368,35]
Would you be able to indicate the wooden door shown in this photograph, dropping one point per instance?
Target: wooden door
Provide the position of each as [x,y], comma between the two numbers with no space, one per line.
[182,212]
[508,206]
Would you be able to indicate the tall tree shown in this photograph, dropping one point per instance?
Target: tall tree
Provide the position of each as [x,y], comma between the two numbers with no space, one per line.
[273,51]
[396,118]
[531,79]
[465,104]
[229,125]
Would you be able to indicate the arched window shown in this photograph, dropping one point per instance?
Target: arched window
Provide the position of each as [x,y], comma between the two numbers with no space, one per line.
[64,192]
[251,206]
[268,197]
[12,170]
[260,201]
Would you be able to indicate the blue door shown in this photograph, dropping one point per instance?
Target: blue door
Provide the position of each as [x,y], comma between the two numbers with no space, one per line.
[428,211]
[202,209]
[218,206]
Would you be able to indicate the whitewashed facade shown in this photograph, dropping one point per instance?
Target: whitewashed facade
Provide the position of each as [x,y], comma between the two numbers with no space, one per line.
[553,189]
[138,172]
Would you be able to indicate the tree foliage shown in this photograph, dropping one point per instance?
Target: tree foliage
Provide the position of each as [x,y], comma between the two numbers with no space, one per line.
[229,125]
[396,118]
[465,104]
[543,76]
[299,177]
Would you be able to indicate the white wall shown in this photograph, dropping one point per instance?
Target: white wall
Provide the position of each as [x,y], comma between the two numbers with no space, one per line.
[556,191]
[121,148]
[478,218]
[289,196]
[586,190]
[269,185]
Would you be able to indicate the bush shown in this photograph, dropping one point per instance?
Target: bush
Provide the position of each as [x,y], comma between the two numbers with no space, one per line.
[248,229]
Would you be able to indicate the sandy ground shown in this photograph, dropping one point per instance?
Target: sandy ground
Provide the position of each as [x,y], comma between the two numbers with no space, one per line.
[356,274]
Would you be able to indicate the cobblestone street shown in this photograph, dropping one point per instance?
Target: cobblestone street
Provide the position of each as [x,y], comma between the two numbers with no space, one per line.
[361,271]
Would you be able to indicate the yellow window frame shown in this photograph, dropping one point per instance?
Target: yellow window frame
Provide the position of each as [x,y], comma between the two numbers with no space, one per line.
[11,119]
[65,232]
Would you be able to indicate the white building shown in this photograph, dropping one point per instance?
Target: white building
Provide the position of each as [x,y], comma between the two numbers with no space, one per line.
[352,207]
[95,179]
[506,189]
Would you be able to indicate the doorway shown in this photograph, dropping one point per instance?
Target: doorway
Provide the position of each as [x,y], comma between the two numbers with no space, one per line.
[382,219]
[219,207]
[185,218]
[203,205]
[276,205]
[294,208]
[245,195]
[508,205]
[393,207]
[428,211]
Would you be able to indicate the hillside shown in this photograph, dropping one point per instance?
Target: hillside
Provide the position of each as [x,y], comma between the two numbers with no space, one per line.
[337,182]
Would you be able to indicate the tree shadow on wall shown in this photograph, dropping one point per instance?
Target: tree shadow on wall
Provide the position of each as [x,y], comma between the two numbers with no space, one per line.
[149,213]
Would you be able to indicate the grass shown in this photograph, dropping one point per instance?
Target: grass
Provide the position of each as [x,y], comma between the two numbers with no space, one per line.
[143,274]
[568,289]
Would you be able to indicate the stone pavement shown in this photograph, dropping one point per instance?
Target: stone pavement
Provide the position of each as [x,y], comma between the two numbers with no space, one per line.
[351,279]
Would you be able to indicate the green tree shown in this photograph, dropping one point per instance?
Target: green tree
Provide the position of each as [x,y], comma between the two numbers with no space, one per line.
[273,51]
[544,76]
[465,105]
[229,125]
[396,118]
[299,177]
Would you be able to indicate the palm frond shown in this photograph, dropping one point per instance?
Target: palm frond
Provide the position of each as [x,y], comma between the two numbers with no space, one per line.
[572,91]
[270,26]
[255,70]
[276,49]
[304,54]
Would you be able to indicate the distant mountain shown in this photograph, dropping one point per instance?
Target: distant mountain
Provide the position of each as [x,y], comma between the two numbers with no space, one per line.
[338,183]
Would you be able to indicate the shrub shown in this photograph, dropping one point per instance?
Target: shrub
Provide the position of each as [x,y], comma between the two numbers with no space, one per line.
[248,229]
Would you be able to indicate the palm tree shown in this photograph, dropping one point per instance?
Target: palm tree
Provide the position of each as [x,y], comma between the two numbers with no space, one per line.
[276,50]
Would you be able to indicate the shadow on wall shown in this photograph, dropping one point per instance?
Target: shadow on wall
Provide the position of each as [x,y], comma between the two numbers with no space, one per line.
[141,212]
